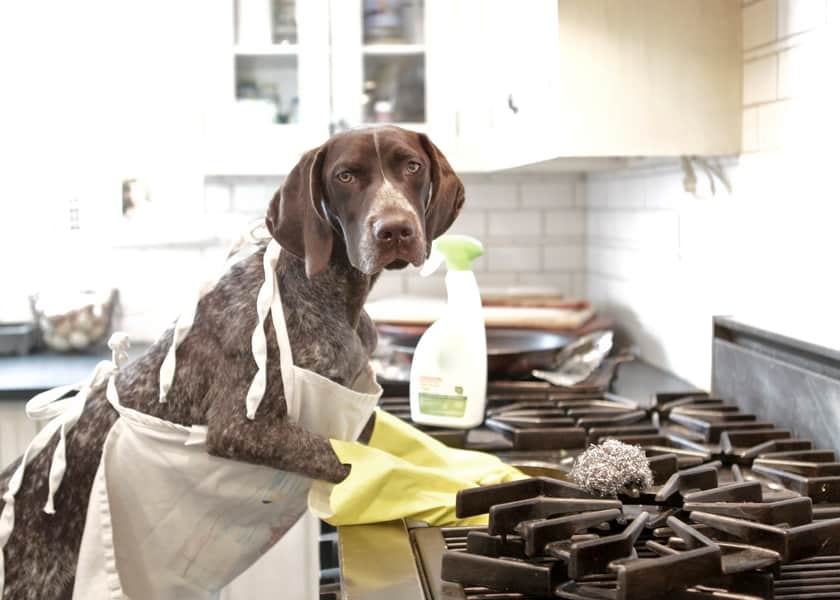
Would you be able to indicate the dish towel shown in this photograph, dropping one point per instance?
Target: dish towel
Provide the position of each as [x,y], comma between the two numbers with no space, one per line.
[404,473]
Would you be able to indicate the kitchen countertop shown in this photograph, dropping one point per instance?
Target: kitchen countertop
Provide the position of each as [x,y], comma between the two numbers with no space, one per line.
[394,573]
[22,377]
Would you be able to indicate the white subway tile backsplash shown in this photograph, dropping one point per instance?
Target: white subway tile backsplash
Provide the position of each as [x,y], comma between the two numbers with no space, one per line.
[470,222]
[514,216]
[513,258]
[562,283]
[617,192]
[759,24]
[578,285]
[390,283]
[580,191]
[749,130]
[634,228]
[515,222]
[796,16]
[491,195]
[760,80]
[500,280]
[773,125]
[562,258]
[597,191]
[800,70]
[630,264]
[628,192]
[432,285]
[564,223]
[252,197]
[217,198]
[664,191]
[548,195]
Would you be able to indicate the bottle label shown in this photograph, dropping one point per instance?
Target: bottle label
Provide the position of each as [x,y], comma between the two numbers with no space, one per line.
[441,405]
[439,402]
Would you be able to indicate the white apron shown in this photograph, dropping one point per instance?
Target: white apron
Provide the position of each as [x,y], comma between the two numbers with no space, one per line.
[166,520]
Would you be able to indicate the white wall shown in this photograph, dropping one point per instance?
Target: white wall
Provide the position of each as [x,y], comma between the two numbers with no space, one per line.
[665,262]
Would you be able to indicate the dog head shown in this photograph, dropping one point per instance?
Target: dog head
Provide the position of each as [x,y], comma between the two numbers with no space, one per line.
[384,192]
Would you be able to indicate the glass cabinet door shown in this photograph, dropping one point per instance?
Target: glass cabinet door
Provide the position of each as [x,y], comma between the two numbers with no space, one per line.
[298,70]
[379,62]
[266,61]
[270,73]
[393,61]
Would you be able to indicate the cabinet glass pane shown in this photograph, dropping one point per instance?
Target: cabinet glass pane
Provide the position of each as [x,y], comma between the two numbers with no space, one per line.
[392,21]
[267,88]
[394,88]
[265,22]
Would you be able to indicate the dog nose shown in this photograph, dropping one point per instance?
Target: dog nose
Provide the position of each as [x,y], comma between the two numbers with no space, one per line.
[393,229]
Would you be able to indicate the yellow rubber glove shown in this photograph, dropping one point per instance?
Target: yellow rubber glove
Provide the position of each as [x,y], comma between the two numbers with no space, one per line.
[404,473]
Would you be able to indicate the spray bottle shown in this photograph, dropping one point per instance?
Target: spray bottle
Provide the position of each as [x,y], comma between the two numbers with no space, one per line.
[448,382]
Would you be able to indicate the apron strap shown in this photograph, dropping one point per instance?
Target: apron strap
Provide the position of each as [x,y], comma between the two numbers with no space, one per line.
[269,301]
[64,413]
[184,323]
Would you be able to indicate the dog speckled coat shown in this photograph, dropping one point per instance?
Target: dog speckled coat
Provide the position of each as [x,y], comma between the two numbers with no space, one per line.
[364,201]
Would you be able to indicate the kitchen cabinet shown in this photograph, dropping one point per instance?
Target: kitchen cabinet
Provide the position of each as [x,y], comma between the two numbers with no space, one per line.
[289,73]
[560,79]
[268,97]
[497,84]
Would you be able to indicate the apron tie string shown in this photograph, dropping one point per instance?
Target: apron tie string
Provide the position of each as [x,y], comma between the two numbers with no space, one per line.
[63,414]
[256,233]
[268,301]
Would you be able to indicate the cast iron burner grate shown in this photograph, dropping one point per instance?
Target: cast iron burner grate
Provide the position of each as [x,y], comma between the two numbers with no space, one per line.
[529,416]
[739,510]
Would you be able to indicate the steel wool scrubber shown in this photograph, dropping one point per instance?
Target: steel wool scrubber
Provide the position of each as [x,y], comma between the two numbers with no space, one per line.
[611,468]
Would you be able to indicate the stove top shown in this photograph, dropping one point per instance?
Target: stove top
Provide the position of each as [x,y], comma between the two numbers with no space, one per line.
[533,417]
[740,509]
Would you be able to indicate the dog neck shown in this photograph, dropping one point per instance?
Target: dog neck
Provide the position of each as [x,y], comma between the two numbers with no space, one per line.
[340,285]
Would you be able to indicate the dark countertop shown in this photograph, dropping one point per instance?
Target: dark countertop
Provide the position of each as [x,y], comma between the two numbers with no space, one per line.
[22,377]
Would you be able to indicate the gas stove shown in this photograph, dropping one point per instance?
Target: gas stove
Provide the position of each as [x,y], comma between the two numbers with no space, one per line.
[740,509]
[734,513]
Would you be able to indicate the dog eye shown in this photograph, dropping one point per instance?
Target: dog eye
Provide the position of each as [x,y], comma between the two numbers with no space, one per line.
[413,166]
[345,177]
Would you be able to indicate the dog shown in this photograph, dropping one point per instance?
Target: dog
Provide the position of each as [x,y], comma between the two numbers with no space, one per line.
[365,201]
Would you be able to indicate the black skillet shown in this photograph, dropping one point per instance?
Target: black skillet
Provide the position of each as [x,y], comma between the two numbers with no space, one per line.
[510,352]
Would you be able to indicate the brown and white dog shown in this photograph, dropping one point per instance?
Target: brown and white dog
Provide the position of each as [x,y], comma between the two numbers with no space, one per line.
[366,200]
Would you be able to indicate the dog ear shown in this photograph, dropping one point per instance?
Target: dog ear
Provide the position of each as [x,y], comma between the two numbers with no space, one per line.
[447,193]
[296,218]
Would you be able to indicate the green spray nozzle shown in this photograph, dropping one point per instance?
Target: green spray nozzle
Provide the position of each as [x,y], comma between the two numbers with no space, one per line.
[459,252]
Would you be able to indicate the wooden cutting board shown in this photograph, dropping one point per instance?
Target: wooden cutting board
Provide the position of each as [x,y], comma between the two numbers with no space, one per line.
[422,312]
